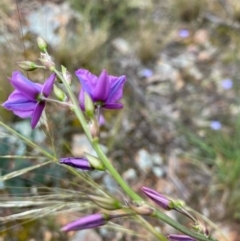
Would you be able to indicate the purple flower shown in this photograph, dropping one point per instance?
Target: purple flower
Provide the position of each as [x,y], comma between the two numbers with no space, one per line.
[216,125]
[183,33]
[91,221]
[26,100]
[178,237]
[146,73]
[105,90]
[80,163]
[157,198]
[227,84]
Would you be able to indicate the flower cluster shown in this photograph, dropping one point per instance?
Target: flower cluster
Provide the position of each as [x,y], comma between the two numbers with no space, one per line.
[29,98]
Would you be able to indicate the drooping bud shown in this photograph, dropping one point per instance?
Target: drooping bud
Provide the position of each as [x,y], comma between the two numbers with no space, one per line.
[59,93]
[157,198]
[42,45]
[106,203]
[90,221]
[89,106]
[80,163]
[27,65]
[95,162]
[47,61]
[178,237]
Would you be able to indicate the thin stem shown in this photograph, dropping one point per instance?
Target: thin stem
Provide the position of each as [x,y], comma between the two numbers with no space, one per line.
[56,101]
[114,172]
[163,217]
[151,229]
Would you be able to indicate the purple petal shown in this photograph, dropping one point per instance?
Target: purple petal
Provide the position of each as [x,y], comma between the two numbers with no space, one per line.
[113,106]
[37,113]
[215,125]
[183,33]
[80,163]
[101,89]
[24,85]
[87,80]
[19,104]
[48,85]
[17,101]
[91,221]
[23,114]
[116,89]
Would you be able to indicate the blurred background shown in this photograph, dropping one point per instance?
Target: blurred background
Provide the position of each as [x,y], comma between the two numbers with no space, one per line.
[179,131]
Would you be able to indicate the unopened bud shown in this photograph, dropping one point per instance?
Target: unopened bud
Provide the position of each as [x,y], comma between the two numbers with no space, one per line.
[59,93]
[66,75]
[179,237]
[42,45]
[27,65]
[90,221]
[47,61]
[95,162]
[89,106]
[106,203]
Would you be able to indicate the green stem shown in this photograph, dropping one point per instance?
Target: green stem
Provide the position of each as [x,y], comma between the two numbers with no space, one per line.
[115,173]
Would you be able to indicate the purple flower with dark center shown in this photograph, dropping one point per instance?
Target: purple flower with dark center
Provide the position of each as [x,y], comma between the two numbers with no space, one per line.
[157,198]
[105,90]
[90,221]
[80,163]
[227,84]
[178,237]
[215,125]
[27,100]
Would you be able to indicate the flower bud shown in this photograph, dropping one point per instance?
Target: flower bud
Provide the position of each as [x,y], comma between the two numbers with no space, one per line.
[42,45]
[158,198]
[66,75]
[95,162]
[90,221]
[80,163]
[106,203]
[27,65]
[59,93]
[178,237]
[89,106]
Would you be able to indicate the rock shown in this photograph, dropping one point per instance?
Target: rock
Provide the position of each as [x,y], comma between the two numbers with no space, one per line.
[144,160]
[86,235]
[122,46]
[130,174]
